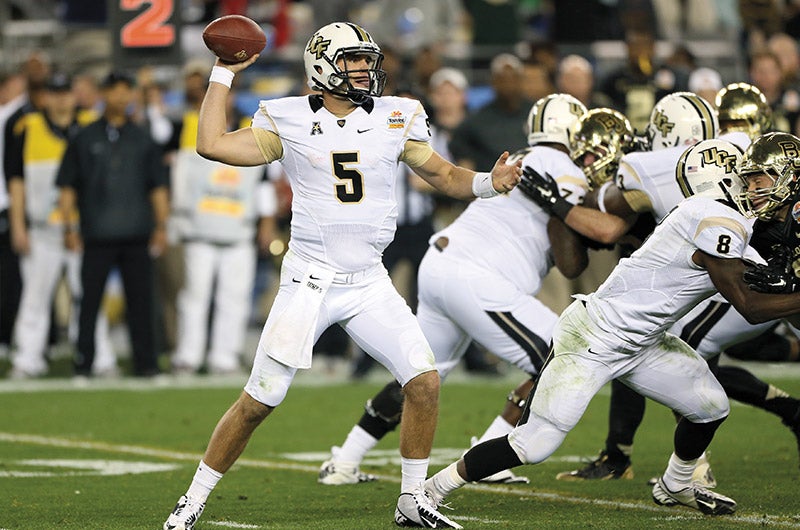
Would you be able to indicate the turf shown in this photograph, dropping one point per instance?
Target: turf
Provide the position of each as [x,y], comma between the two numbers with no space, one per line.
[274,486]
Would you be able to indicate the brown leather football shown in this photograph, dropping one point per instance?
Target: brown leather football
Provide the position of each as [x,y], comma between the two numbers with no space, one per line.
[234,38]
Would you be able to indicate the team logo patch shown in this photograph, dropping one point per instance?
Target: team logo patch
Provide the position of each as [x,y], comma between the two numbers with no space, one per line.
[796,212]
[340,123]
[318,46]
[396,120]
[316,128]
[662,123]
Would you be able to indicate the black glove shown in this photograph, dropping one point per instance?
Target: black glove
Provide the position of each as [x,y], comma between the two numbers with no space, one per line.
[776,277]
[543,190]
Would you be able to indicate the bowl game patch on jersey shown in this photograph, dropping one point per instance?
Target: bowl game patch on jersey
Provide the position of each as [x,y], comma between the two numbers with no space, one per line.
[396,120]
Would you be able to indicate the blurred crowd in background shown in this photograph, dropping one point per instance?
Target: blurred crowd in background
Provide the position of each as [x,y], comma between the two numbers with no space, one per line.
[477,66]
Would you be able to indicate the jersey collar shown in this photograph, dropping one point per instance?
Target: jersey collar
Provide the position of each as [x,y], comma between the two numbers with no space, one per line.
[315,102]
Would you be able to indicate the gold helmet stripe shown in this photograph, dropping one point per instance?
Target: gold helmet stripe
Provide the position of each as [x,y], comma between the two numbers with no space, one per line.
[708,119]
[686,190]
[360,33]
[537,125]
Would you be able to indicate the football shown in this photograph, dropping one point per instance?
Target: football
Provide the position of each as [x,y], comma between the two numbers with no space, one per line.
[234,38]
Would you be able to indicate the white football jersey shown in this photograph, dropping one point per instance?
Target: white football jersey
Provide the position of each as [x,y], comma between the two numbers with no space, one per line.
[650,176]
[342,174]
[509,232]
[659,283]
[738,138]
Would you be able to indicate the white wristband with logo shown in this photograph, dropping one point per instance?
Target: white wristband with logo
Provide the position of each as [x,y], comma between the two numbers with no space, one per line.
[222,76]
[482,186]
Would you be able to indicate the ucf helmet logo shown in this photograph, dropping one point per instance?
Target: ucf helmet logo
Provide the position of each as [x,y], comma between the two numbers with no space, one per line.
[662,123]
[318,46]
[575,109]
[717,157]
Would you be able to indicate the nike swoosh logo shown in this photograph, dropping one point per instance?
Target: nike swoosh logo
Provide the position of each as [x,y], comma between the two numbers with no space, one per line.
[431,524]
[314,277]
[710,505]
[295,281]
[359,131]
[592,352]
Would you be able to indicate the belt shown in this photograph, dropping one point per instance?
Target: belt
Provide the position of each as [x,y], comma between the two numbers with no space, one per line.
[441,243]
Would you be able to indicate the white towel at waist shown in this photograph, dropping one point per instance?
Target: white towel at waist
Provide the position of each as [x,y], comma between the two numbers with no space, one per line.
[290,337]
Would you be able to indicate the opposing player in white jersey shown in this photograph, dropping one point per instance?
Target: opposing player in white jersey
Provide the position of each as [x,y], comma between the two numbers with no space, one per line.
[620,332]
[466,292]
[340,150]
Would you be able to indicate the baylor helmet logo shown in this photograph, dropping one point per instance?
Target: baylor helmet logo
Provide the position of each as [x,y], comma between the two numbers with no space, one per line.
[716,157]
[318,46]
[792,152]
[662,123]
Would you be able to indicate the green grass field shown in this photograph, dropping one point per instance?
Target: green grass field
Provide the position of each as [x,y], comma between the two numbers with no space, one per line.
[118,455]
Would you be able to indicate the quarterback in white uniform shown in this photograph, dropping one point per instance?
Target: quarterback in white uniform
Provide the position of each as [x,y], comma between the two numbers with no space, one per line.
[620,332]
[466,291]
[340,150]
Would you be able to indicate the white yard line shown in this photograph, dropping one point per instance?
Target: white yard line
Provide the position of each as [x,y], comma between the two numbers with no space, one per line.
[317,376]
[751,521]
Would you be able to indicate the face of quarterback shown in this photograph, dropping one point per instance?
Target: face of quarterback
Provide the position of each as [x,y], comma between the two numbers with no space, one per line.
[357,66]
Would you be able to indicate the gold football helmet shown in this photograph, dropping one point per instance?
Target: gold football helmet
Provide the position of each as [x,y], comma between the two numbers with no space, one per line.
[777,156]
[599,139]
[743,107]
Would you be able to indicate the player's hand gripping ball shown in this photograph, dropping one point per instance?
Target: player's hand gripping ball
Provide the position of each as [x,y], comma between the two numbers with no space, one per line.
[234,38]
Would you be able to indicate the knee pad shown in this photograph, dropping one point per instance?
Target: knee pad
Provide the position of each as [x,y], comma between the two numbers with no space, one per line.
[387,405]
[536,439]
[269,382]
[715,407]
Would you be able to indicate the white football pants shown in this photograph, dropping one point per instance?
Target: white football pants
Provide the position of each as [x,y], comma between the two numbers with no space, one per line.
[41,269]
[459,302]
[233,268]
[669,372]
[369,309]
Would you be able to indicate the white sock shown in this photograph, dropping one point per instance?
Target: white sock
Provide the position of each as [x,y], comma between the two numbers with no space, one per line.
[445,482]
[679,473]
[358,443]
[205,479]
[498,428]
[414,471]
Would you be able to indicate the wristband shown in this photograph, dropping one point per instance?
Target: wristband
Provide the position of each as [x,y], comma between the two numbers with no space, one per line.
[561,208]
[482,186]
[222,76]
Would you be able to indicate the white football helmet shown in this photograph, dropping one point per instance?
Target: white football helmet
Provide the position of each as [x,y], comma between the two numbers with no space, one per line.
[708,168]
[681,118]
[332,43]
[606,135]
[743,107]
[551,119]
[776,155]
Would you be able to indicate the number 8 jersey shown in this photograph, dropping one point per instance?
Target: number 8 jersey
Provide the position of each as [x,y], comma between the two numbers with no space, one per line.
[648,292]
[342,172]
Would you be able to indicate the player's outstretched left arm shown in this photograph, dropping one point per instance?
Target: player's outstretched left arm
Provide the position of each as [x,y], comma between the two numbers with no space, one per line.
[237,148]
[727,275]
[463,183]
